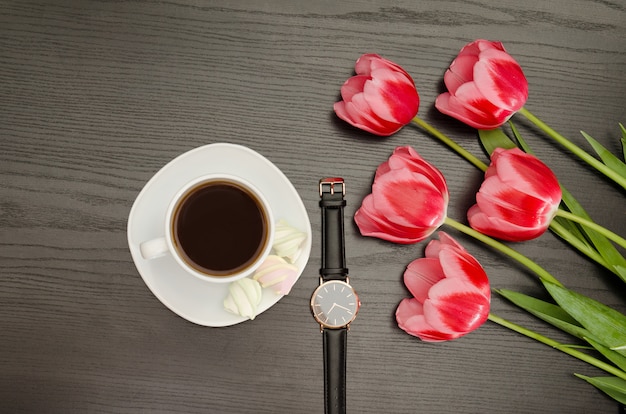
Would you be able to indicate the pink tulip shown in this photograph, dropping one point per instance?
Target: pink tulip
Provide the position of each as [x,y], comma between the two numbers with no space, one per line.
[451,293]
[408,202]
[486,86]
[380,99]
[518,199]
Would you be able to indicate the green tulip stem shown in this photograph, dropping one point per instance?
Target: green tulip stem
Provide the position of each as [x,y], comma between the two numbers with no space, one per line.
[582,154]
[592,226]
[514,254]
[561,347]
[450,143]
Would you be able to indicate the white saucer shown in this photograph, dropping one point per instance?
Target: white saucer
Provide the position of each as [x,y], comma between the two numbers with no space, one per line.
[196,300]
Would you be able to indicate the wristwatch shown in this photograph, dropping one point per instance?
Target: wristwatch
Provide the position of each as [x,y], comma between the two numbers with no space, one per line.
[334,302]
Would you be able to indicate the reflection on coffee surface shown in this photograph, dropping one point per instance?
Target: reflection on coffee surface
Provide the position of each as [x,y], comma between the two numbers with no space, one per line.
[220,228]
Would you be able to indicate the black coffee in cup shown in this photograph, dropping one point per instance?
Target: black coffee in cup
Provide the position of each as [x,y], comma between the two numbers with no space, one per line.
[220,227]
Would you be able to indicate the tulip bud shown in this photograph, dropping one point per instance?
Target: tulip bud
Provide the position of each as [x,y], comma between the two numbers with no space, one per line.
[486,86]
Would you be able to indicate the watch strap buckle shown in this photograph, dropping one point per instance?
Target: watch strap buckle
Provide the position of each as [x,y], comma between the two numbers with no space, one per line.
[327,185]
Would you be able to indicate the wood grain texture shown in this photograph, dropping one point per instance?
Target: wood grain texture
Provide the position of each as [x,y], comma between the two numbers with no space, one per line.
[96,96]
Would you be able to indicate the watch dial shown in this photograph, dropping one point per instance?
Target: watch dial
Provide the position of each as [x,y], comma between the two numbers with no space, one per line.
[334,304]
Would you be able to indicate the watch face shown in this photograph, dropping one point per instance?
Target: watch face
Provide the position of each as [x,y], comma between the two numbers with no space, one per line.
[334,304]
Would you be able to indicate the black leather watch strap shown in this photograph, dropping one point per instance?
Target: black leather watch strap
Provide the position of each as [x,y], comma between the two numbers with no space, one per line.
[335,341]
[332,202]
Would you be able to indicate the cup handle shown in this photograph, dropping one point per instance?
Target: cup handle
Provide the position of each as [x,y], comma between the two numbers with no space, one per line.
[154,248]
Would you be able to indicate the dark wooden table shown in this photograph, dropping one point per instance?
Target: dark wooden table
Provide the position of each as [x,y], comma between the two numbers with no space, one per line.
[96,96]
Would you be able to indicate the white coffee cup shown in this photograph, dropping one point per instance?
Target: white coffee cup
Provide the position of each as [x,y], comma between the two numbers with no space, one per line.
[218,227]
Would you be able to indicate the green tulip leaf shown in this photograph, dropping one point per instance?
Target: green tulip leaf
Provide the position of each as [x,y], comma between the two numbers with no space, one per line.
[547,312]
[615,357]
[494,138]
[603,246]
[606,156]
[614,387]
[607,325]
[520,141]
[571,233]
[537,305]
[623,140]
[580,244]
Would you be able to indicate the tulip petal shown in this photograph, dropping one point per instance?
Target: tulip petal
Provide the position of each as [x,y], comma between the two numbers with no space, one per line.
[484,111]
[501,229]
[408,202]
[459,264]
[456,262]
[364,64]
[526,173]
[408,199]
[352,114]
[407,157]
[359,108]
[483,44]
[410,318]
[373,224]
[518,198]
[409,307]
[380,99]
[500,80]
[434,246]
[465,112]
[370,62]
[421,275]
[486,86]
[353,86]
[451,293]
[456,306]
[391,96]
[461,71]
[501,201]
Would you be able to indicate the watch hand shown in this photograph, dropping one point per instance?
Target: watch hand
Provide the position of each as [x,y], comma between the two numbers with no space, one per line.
[339,306]
[331,308]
